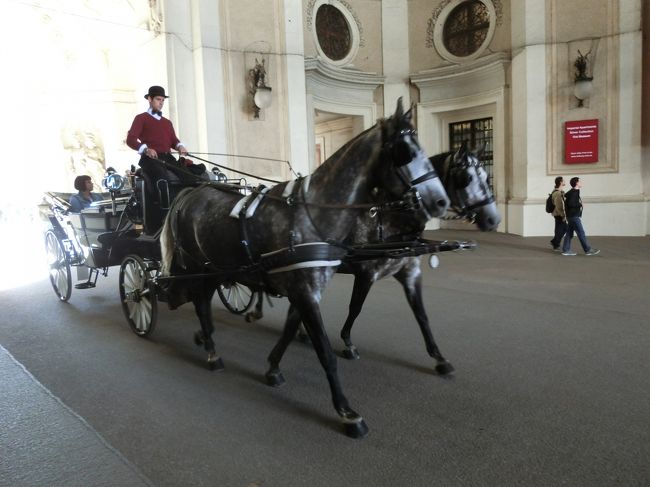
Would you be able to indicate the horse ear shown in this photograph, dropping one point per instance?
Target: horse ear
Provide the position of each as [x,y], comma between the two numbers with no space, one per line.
[399,112]
[478,151]
[462,150]
[408,116]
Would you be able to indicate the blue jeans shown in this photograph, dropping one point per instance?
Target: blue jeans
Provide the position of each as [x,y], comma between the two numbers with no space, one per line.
[575,224]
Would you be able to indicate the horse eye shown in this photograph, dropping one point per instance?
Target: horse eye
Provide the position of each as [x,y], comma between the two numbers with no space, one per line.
[402,154]
[463,180]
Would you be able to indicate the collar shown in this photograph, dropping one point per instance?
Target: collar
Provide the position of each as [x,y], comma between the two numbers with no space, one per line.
[157,115]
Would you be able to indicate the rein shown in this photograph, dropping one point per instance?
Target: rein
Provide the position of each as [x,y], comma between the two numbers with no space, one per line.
[465,211]
[237,171]
[410,200]
[246,157]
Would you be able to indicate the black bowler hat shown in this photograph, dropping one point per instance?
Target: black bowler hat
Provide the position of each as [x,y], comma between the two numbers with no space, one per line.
[156,91]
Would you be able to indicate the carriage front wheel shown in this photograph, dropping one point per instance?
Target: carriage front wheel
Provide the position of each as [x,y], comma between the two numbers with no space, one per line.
[138,294]
[236,297]
[59,265]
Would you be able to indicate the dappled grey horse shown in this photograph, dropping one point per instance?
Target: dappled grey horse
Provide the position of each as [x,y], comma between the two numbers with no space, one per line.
[289,240]
[466,183]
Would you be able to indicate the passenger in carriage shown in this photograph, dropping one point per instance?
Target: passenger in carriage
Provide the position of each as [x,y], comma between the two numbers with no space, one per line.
[85,196]
[153,137]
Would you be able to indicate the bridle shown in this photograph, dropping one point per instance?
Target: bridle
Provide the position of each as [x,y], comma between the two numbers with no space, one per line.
[409,200]
[400,152]
[457,175]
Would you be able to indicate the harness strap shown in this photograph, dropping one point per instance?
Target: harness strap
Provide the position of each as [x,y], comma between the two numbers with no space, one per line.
[301,256]
[425,177]
[243,230]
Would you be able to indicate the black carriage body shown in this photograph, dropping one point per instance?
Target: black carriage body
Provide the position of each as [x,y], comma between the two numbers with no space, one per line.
[107,244]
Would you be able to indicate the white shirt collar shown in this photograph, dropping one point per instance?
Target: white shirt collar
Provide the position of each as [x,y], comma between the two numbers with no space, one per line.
[156,116]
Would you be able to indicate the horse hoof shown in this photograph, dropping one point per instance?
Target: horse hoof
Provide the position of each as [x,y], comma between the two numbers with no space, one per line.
[216,364]
[357,429]
[198,339]
[275,379]
[253,316]
[350,353]
[444,368]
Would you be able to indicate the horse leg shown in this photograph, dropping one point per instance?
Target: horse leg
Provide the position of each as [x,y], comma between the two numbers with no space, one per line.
[302,335]
[355,426]
[257,313]
[274,376]
[362,284]
[411,280]
[203,306]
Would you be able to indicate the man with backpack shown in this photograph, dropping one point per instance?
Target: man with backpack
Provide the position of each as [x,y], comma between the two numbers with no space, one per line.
[555,204]
[573,205]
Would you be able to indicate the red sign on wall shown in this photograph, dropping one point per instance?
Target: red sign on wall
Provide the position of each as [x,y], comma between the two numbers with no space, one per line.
[581,141]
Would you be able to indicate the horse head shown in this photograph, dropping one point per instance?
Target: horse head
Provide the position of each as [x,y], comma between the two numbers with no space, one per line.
[408,175]
[466,182]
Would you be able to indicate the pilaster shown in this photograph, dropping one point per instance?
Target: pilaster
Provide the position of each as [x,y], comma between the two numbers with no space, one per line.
[395,53]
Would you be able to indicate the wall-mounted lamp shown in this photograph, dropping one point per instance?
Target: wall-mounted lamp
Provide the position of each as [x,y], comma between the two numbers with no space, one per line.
[258,89]
[583,83]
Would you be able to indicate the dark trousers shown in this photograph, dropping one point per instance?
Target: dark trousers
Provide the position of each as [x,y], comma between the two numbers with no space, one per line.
[575,225]
[560,230]
[155,176]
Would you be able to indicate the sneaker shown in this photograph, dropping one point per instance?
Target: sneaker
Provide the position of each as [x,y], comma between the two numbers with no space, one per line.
[592,252]
[557,249]
[568,252]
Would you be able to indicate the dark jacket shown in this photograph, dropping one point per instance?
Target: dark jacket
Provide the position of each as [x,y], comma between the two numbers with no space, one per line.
[573,203]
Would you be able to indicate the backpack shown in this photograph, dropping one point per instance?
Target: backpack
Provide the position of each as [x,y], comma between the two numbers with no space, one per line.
[550,207]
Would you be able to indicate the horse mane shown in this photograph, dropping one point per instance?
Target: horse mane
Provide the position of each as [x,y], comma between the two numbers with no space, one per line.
[332,160]
[439,158]
[439,161]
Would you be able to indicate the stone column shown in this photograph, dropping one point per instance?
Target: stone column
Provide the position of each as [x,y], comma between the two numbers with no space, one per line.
[296,93]
[528,110]
[195,74]
[395,50]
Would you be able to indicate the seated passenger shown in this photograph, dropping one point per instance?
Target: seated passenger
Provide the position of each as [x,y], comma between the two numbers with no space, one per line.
[84,197]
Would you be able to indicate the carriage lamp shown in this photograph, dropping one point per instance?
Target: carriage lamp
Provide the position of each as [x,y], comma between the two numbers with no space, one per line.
[583,83]
[258,89]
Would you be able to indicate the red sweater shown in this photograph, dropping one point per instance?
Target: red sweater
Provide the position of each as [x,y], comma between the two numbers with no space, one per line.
[159,135]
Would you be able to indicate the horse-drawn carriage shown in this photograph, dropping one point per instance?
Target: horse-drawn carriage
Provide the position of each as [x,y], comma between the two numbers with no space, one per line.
[363,210]
[111,233]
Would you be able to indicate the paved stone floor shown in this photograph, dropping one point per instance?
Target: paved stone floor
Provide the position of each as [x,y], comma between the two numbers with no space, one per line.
[551,384]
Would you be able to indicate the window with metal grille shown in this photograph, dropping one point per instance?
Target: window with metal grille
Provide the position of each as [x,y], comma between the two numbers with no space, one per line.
[333,32]
[466,28]
[476,133]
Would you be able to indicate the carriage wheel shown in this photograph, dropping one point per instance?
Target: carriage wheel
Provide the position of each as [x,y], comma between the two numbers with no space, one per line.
[138,294]
[236,297]
[59,264]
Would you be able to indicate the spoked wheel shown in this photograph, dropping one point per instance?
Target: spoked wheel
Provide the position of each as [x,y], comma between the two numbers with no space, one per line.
[138,294]
[57,260]
[236,297]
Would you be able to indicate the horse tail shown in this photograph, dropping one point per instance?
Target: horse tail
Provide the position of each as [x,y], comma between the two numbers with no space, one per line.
[168,234]
[167,245]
